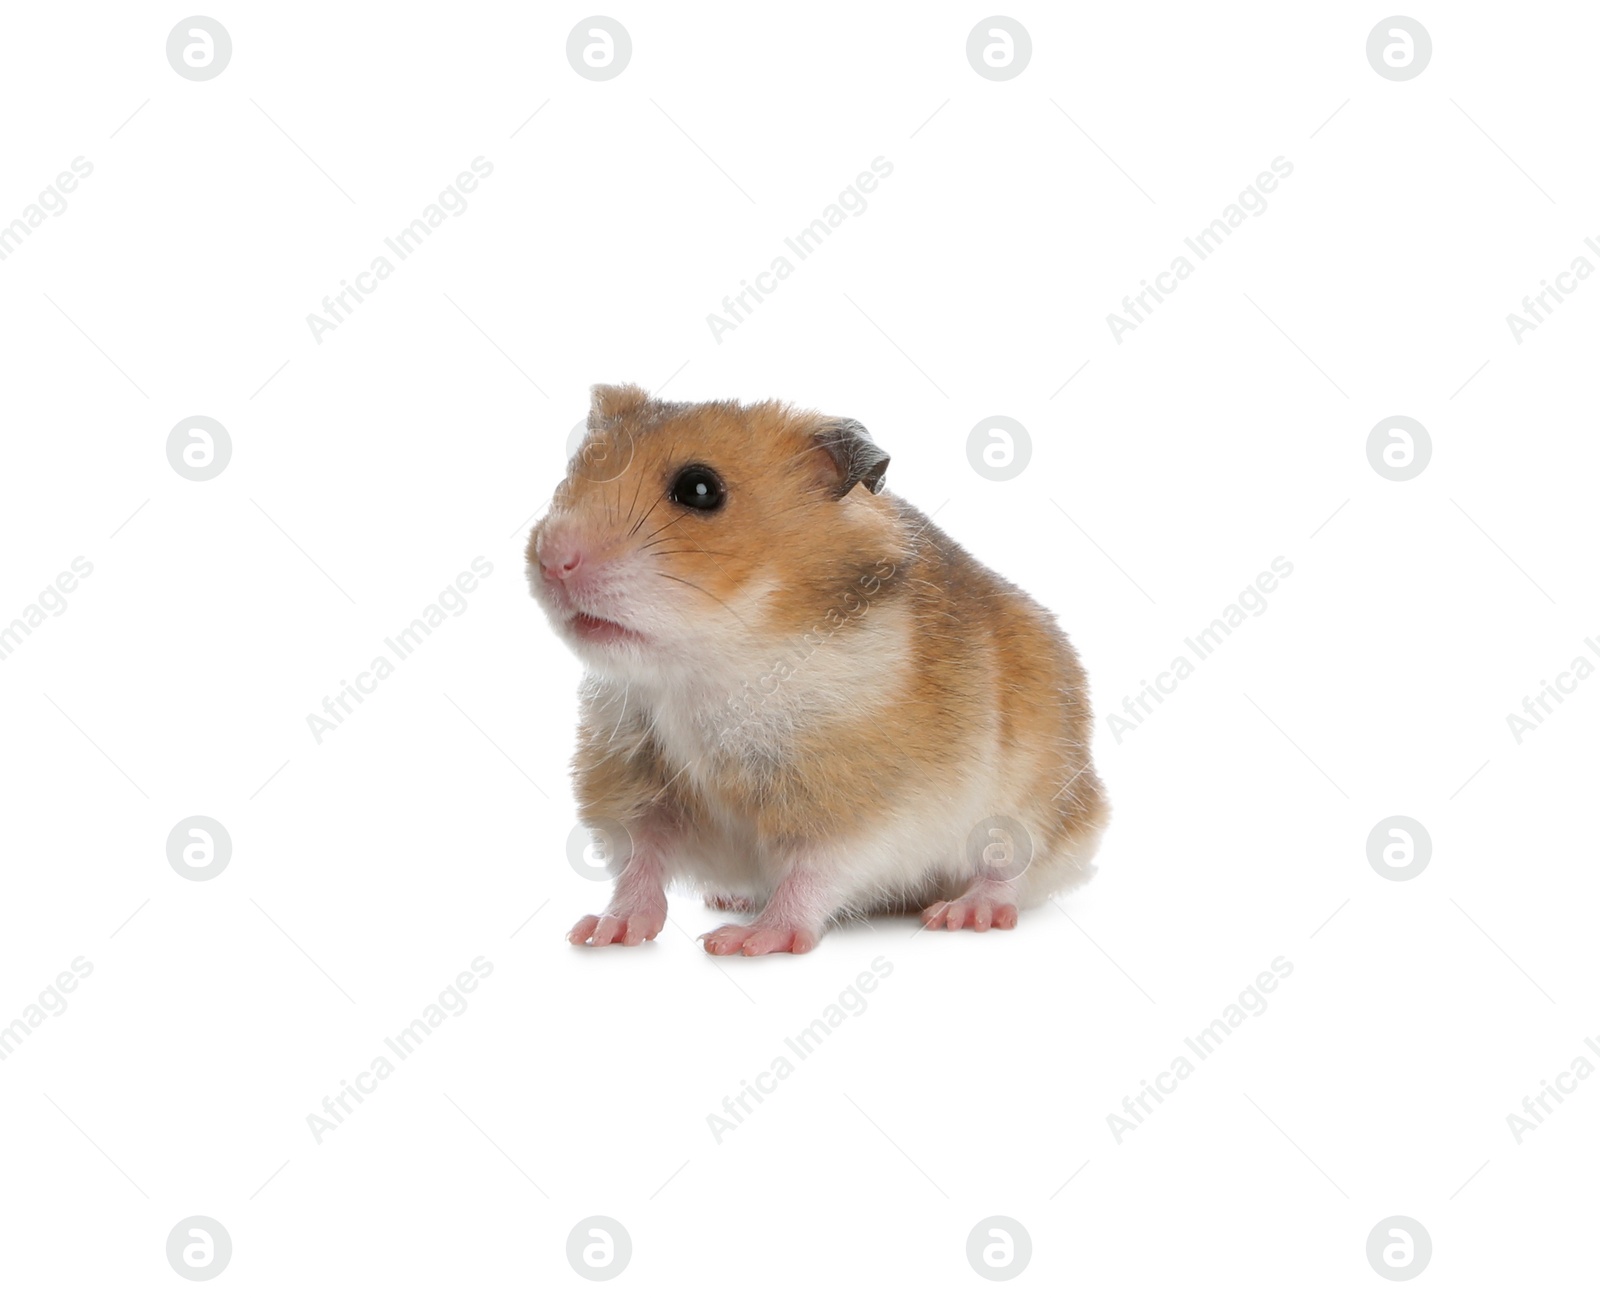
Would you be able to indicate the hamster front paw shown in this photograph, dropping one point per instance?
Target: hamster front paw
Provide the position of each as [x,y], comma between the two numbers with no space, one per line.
[628,929]
[738,939]
[792,920]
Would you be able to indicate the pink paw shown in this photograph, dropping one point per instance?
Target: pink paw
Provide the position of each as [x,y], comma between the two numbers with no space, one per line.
[736,939]
[978,913]
[625,930]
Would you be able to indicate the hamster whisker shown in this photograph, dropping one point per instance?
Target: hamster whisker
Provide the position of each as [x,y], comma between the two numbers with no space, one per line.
[622,714]
[671,522]
[701,549]
[684,581]
[648,544]
[783,463]
[779,513]
[634,529]
[682,770]
[636,491]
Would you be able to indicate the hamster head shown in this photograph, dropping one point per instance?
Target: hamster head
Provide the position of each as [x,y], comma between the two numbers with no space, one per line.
[689,536]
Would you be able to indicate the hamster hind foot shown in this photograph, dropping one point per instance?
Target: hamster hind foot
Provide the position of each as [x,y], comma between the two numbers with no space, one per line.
[987,903]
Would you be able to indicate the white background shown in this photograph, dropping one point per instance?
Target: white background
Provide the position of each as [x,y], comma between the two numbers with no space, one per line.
[370,869]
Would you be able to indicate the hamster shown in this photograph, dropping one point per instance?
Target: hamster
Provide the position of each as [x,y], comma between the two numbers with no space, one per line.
[802,698]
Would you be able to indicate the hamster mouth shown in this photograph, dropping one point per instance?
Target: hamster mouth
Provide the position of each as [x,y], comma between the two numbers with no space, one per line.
[597,630]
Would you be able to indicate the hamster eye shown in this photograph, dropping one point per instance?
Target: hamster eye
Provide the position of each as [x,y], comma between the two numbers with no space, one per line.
[697,487]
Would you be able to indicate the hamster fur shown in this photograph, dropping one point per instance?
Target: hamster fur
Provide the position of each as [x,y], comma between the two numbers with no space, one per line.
[802,698]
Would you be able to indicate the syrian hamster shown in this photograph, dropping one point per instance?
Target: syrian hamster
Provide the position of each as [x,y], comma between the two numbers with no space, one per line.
[802,698]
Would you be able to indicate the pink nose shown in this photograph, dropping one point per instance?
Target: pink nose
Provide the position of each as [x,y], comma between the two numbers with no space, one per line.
[559,562]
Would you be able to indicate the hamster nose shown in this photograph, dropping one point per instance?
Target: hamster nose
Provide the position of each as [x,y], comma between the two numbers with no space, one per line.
[559,562]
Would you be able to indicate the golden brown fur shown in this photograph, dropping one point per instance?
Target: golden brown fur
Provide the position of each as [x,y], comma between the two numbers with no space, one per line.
[818,679]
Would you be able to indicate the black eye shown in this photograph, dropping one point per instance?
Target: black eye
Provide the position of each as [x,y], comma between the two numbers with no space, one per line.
[697,487]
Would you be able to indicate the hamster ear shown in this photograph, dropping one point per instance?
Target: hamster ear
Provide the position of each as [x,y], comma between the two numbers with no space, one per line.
[856,458]
[609,400]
